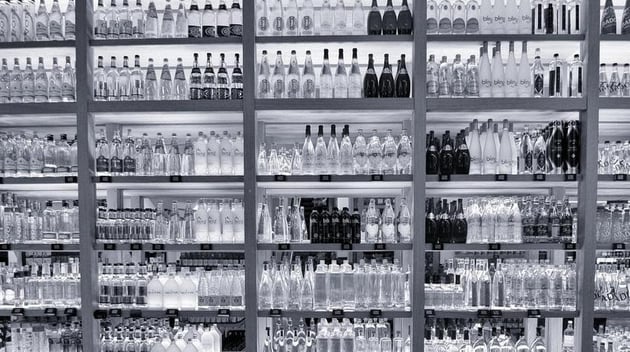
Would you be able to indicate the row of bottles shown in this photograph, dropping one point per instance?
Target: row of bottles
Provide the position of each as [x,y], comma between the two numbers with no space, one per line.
[211,155]
[284,17]
[193,22]
[23,155]
[55,284]
[614,85]
[206,221]
[161,335]
[554,149]
[375,156]
[31,221]
[30,85]
[21,21]
[501,220]
[170,287]
[614,158]
[613,222]
[308,84]
[609,19]
[124,84]
[492,78]
[64,334]
[505,17]
[612,284]
[614,337]
[347,286]
[516,284]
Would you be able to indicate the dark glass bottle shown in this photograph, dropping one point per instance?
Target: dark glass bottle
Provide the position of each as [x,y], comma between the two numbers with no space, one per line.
[555,222]
[375,23]
[335,226]
[543,232]
[326,227]
[609,19]
[444,224]
[572,149]
[346,226]
[462,156]
[370,81]
[314,223]
[460,225]
[556,155]
[528,221]
[236,93]
[566,227]
[390,23]
[550,17]
[356,226]
[403,81]
[430,223]
[447,155]
[625,20]
[386,83]
[433,158]
[209,80]
[405,19]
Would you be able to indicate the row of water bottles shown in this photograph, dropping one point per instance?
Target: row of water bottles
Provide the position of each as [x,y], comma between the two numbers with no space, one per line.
[27,85]
[20,21]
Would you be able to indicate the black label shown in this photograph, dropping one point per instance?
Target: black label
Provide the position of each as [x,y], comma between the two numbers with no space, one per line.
[494,246]
[100,314]
[444,178]
[71,179]
[540,177]
[379,246]
[437,246]
[324,178]
[56,247]
[570,246]
[377,178]
[194,31]
[500,177]
[223,312]
[158,247]
[533,313]
[483,313]
[209,31]
[175,178]
[17,311]
[129,165]
[135,246]
[428,313]
[496,313]
[205,246]
[570,177]
[5,246]
[337,313]
[50,311]
[115,313]
[346,246]
[620,177]
[171,312]
[105,179]
[279,178]
[376,313]
[70,312]
[619,246]
[539,83]
[109,247]
[102,164]
[116,165]
[223,31]
[135,313]
[284,247]
[236,30]
[275,312]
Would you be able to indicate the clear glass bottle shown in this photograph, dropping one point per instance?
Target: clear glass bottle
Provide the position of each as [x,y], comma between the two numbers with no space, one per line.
[180,85]
[55,83]
[137,81]
[124,81]
[341,78]
[152,27]
[168,22]
[55,23]
[166,82]
[326,84]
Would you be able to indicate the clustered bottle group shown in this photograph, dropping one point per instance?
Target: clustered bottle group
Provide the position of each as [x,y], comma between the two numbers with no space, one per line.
[284,17]
[491,78]
[613,222]
[20,21]
[614,85]
[554,149]
[42,336]
[308,84]
[30,85]
[28,155]
[124,84]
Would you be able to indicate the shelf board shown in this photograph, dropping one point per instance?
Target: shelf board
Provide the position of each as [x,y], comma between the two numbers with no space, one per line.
[171,247]
[620,103]
[144,312]
[166,106]
[165,41]
[332,247]
[500,247]
[336,104]
[167,179]
[505,314]
[334,39]
[616,246]
[38,109]
[497,178]
[614,37]
[611,314]
[503,37]
[296,314]
[494,104]
[39,311]
[40,247]
[494,183]
[336,185]
[39,44]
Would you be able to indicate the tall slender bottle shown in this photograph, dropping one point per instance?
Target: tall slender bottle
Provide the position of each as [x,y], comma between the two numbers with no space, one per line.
[550,17]
[308,153]
[41,83]
[511,75]
[327,18]
[489,155]
[562,17]
[512,17]
[498,74]
[476,162]
[487,17]
[293,78]
[291,18]
[405,19]
[236,83]
[278,77]
[403,80]
[540,154]
[526,153]
[609,19]
[194,20]
[576,72]
[262,17]
[355,77]
[524,74]
[223,20]
[575,16]
[538,17]
[386,83]
[308,77]
[236,19]
[538,73]
[340,24]
[505,151]
[375,22]
[333,162]
[341,78]
[525,13]
[500,17]
[370,81]
[326,79]
[321,154]
[307,21]
[485,74]
[433,69]
[209,21]
[263,85]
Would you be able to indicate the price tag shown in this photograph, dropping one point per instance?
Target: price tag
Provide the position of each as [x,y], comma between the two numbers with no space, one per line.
[135,246]
[1,180]
[135,313]
[223,312]
[438,246]
[5,246]
[337,313]
[496,313]
[172,312]
[324,178]
[540,177]
[284,247]
[494,246]
[376,313]
[570,246]
[619,246]
[444,178]
[71,312]
[620,177]
[100,314]
[109,246]
[346,246]
[56,247]
[379,246]
[275,312]
[175,178]
[50,312]
[570,177]
[533,313]
[71,179]
[279,178]
[205,247]
[483,313]
[115,313]
[500,177]
[17,312]
[158,246]
[428,313]
[105,179]
[377,178]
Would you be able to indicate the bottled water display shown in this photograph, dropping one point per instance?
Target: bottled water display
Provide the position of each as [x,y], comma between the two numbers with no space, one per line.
[32,221]
[284,17]
[375,155]
[143,156]
[151,335]
[372,225]
[614,158]
[140,83]
[489,150]
[358,286]
[516,284]
[26,21]
[157,286]
[612,83]
[42,336]
[178,19]
[613,220]
[609,25]
[501,220]
[306,83]
[203,221]
[491,78]
[614,337]
[37,85]
[56,284]
[505,17]
[612,281]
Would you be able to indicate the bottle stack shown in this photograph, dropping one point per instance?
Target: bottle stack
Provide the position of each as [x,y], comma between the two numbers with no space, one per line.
[37,85]
[38,336]
[22,21]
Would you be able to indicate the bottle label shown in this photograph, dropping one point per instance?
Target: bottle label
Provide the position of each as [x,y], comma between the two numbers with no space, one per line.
[16,29]
[70,28]
[528,160]
[294,88]
[292,23]
[209,31]
[486,83]
[278,88]
[609,22]
[472,25]
[541,162]
[129,164]
[67,90]
[224,31]
[307,23]
[23,164]
[4,25]
[102,164]
[445,25]
[236,93]
[263,24]
[208,93]
[432,25]
[309,88]
[237,301]
[29,30]
[100,30]
[236,30]
[278,24]
[194,31]
[539,83]
[432,87]
[126,27]
[500,20]
[55,27]
[459,25]
[263,87]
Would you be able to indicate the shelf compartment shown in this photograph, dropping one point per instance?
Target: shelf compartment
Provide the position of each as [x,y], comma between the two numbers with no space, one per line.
[336,104]
[165,106]
[144,312]
[494,104]
[39,44]
[497,313]
[40,247]
[335,313]
[165,41]
[611,314]
[501,247]
[171,247]
[58,311]
[332,247]
[503,37]
[620,103]
[334,39]
[38,109]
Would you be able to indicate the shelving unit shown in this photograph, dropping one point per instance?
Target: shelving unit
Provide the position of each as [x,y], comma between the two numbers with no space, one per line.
[87,114]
